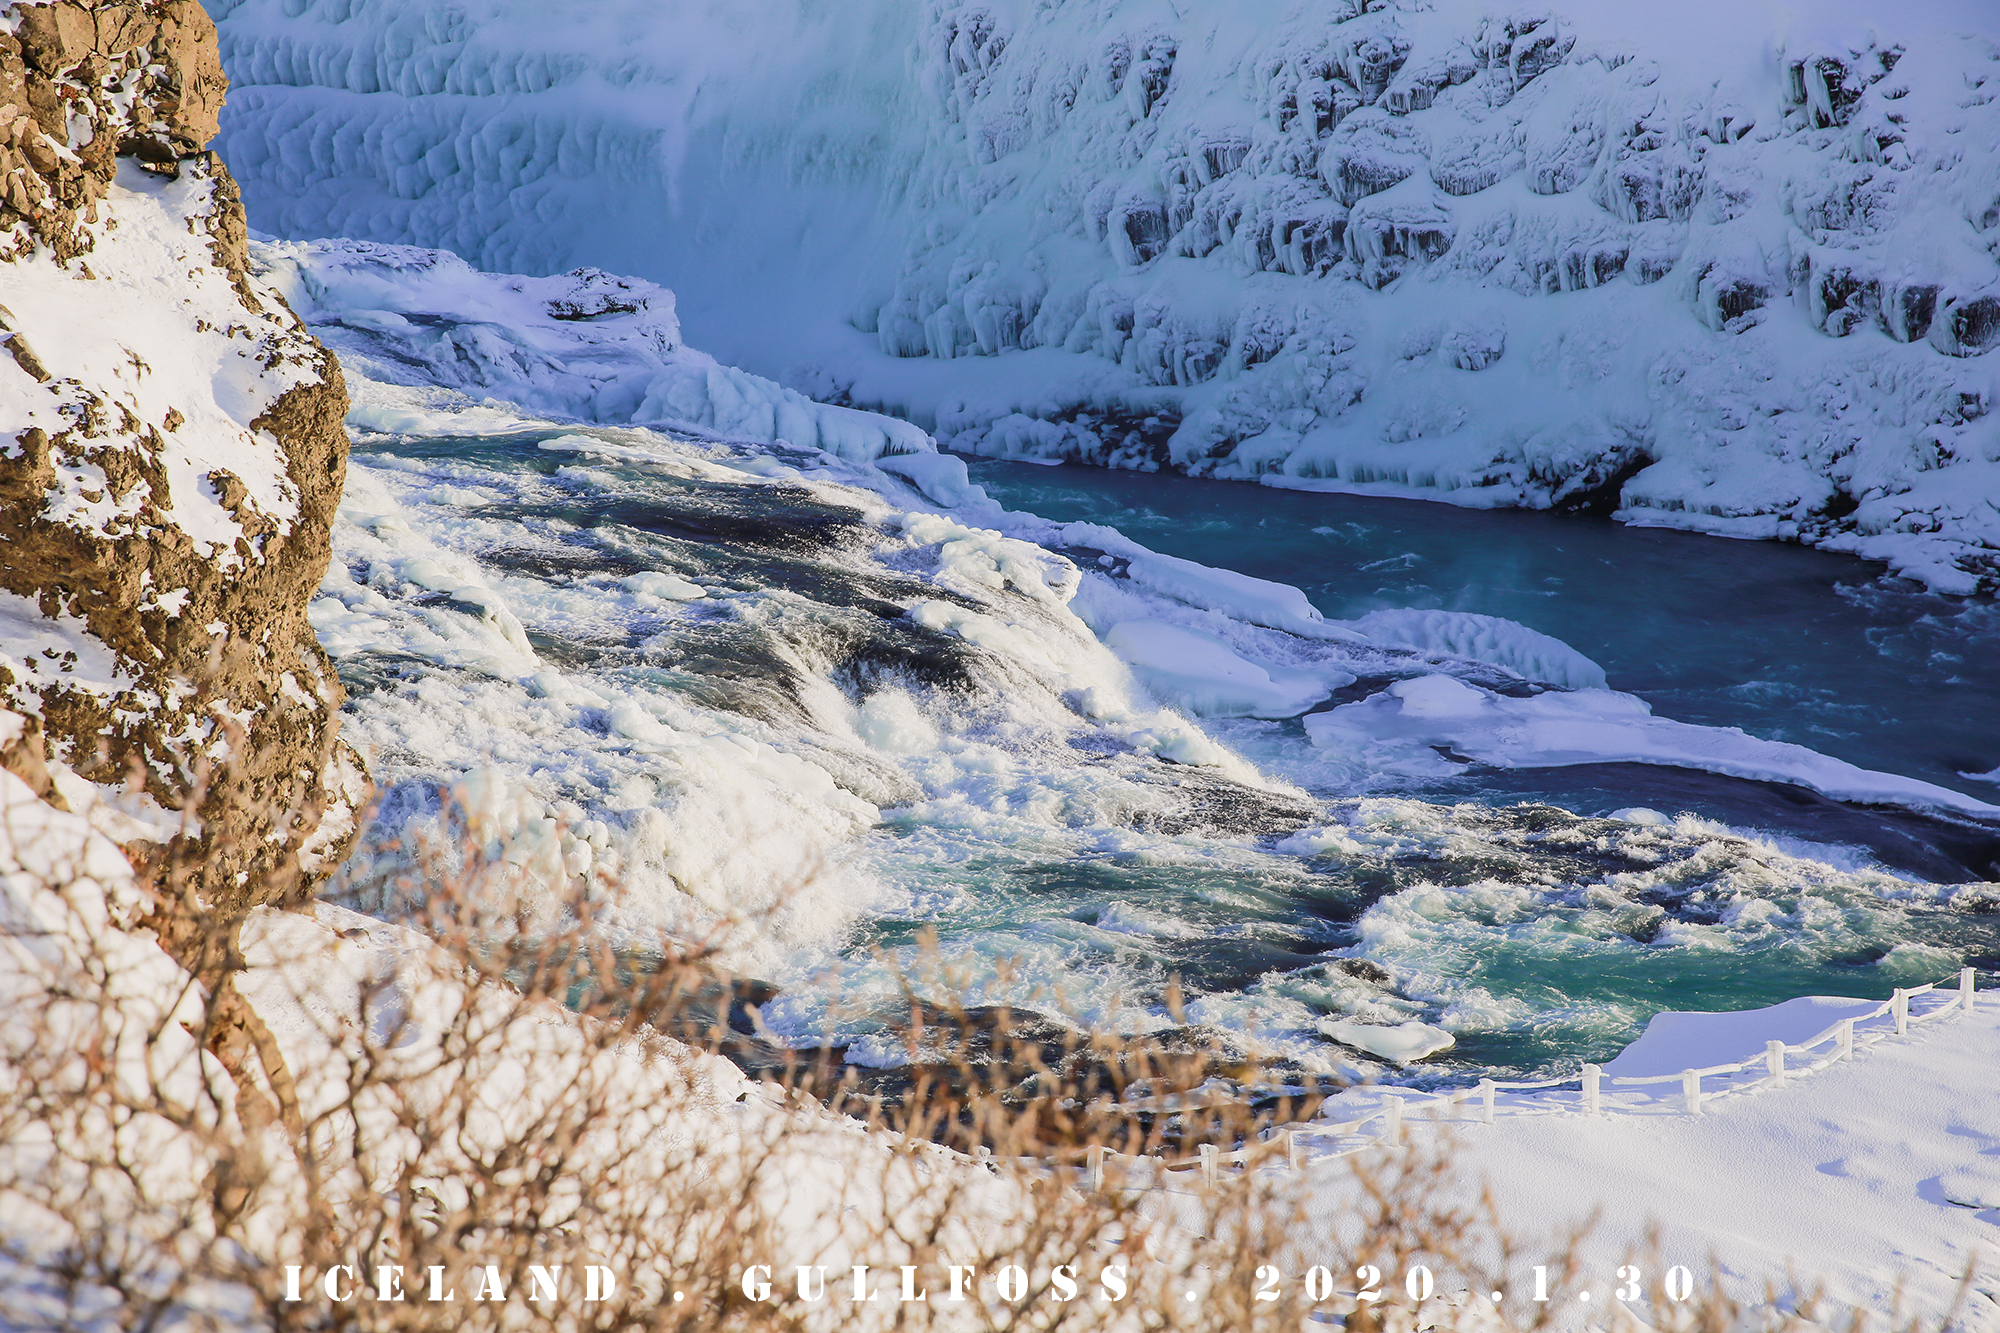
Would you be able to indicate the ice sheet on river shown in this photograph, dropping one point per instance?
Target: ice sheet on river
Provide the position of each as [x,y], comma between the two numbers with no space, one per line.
[1405,726]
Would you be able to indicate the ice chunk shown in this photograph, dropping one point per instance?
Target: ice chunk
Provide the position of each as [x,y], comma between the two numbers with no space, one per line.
[1438,696]
[1404,1043]
[1206,676]
[941,477]
[1259,601]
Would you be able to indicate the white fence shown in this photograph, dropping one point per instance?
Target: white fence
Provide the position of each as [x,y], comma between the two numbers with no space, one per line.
[1293,1145]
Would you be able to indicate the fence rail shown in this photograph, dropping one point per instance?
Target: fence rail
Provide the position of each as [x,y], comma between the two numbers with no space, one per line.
[1292,1143]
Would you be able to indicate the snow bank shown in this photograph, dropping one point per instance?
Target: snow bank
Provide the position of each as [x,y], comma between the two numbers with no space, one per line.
[583,346]
[1673,1041]
[1732,273]
[134,1122]
[1870,1179]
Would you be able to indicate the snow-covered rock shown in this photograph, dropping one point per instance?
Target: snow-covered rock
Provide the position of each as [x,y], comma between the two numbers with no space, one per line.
[1732,272]
[171,455]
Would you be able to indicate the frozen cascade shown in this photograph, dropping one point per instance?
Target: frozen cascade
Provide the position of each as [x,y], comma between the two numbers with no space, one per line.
[1732,272]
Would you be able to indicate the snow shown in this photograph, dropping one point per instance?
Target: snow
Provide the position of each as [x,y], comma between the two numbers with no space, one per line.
[1892,1150]
[90,1001]
[155,326]
[1729,270]
[599,777]
[1855,1176]
[38,650]
[1399,727]
[615,774]
[93,1002]
[1674,1041]
[799,826]
[475,592]
[1085,231]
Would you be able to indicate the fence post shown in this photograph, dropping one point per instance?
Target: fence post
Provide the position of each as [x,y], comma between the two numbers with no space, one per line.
[1486,1090]
[1094,1162]
[1774,1060]
[1844,1043]
[1295,1150]
[1591,1076]
[1392,1129]
[1899,1008]
[1208,1165]
[1691,1089]
[1965,990]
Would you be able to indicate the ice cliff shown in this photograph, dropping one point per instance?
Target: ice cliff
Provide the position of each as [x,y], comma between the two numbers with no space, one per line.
[1718,268]
[171,456]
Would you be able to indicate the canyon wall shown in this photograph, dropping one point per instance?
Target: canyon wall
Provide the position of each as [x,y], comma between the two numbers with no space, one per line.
[1720,266]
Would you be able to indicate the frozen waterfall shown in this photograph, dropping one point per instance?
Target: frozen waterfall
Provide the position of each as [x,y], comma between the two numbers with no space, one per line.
[1721,269]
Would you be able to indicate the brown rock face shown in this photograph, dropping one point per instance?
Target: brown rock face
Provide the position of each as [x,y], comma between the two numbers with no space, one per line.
[67,58]
[169,551]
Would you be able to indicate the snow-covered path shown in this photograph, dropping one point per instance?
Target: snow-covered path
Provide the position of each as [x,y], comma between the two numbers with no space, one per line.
[1865,1175]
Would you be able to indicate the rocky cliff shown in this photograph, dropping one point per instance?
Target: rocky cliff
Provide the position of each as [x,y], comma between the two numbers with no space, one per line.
[171,457]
